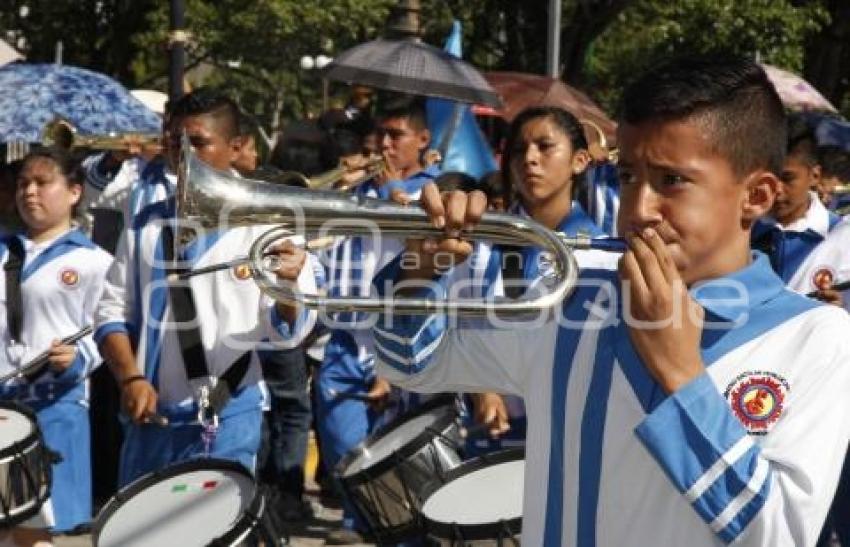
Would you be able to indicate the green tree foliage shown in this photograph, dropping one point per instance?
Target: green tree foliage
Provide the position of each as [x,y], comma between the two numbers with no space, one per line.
[774,31]
[95,34]
[255,53]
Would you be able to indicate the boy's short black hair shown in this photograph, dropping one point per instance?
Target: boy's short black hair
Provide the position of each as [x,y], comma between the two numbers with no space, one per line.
[801,140]
[208,101]
[730,97]
[411,107]
[834,162]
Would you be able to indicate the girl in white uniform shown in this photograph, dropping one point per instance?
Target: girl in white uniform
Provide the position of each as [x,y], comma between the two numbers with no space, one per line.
[61,278]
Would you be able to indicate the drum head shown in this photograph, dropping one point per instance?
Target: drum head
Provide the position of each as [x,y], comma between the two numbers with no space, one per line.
[188,504]
[16,424]
[479,495]
[403,436]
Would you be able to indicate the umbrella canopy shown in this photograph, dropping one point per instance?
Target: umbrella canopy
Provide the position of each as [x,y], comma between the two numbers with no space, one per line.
[32,95]
[412,67]
[520,90]
[795,92]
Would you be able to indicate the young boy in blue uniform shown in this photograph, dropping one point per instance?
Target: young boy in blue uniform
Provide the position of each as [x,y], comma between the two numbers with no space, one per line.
[688,398]
[798,221]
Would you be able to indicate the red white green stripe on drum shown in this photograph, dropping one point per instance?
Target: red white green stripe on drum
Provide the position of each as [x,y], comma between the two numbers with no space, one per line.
[186,487]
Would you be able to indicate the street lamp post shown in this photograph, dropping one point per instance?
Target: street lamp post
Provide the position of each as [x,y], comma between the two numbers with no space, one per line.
[318,62]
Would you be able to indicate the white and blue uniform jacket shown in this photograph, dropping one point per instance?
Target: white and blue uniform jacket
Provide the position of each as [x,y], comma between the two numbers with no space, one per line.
[827,264]
[61,283]
[750,451]
[788,246]
[234,316]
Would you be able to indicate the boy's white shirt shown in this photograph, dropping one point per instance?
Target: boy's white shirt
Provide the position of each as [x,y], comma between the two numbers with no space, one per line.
[235,316]
[831,257]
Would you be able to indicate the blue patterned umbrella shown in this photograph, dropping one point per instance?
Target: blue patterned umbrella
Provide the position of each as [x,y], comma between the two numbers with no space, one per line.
[32,95]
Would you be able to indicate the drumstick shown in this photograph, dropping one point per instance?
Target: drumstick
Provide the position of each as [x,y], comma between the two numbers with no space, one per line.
[840,287]
[40,360]
[156,419]
[358,396]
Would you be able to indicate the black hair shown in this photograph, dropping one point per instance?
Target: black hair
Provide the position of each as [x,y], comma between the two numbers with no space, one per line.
[456,180]
[801,140]
[411,107]
[834,162]
[208,101]
[492,184]
[730,97]
[564,120]
[69,165]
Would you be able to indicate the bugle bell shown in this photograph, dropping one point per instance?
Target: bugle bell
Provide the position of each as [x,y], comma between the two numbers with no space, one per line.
[212,198]
[62,133]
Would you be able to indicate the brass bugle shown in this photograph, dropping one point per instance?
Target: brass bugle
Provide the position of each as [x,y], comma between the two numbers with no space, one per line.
[211,198]
[372,167]
[62,133]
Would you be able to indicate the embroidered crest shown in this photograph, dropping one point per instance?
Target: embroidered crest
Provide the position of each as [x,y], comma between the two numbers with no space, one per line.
[823,277]
[242,272]
[69,277]
[757,399]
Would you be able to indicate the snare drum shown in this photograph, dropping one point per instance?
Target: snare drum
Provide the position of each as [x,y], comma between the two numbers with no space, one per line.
[385,476]
[194,503]
[25,465]
[480,503]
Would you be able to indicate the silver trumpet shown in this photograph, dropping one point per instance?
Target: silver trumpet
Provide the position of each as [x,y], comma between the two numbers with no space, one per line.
[211,198]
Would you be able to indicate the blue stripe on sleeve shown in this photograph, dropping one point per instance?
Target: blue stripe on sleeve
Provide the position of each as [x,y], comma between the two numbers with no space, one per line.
[690,431]
[728,486]
[108,328]
[746,515]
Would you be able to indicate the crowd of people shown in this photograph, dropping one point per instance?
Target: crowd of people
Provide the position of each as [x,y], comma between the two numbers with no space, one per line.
[690,390]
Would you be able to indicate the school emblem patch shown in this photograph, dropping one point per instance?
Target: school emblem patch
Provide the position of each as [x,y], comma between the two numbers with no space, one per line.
[69,277]
[823,277]
[757,399]
[242,272]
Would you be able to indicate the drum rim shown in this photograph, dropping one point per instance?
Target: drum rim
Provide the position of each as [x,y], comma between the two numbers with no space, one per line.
[33,441]
[34,436]
[473,532]
[251,515]
[411,448]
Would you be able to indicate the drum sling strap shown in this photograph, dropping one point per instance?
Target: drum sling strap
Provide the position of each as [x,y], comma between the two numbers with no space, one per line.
[14,304]
[191,348]
[14,300]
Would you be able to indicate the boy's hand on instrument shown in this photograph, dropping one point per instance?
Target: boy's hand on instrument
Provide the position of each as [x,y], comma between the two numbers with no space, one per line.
[139,398]
[290,258]
[830,296]
[61,356]
[456,214]
[379,394]
[664,322]
[490,411]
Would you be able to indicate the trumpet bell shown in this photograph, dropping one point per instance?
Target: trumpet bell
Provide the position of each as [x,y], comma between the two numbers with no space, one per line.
[211,198]
[62,134]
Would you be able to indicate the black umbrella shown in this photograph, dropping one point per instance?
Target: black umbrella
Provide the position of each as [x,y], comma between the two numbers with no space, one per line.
[412,67]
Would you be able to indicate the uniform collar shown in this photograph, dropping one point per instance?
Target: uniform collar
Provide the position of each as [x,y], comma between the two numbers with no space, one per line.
[410,185]
[74,236]
[732,296]
[816,219]
[577,220]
